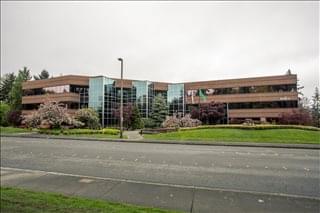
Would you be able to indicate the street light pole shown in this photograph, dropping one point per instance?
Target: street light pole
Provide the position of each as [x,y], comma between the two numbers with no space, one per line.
[121,99]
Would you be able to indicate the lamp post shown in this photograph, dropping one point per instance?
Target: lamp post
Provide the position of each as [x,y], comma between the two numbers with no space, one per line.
[121,99]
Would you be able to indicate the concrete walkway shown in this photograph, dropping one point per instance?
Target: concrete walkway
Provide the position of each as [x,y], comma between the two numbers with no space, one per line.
[133,135]
[176,197]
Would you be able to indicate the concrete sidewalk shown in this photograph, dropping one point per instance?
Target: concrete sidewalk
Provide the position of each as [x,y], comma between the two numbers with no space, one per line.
[175,197]
[206,143]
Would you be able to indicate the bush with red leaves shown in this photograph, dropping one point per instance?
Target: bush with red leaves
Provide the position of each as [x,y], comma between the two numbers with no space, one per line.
[297,117]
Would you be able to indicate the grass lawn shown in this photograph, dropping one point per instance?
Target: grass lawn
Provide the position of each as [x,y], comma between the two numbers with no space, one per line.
[20,200]
[94,136]
[14,130]
[241,135]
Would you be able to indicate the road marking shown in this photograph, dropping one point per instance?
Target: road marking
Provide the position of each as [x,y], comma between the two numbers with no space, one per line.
[261,201]
[85,180]
[161,184]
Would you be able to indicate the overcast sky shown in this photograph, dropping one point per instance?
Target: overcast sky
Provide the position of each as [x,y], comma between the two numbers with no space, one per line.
[163,41]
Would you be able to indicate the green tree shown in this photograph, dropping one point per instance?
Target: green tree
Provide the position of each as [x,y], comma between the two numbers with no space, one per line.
[315,107]
[159,110]
[6,84]
[43,75]
[4,109]
[136,121]
[16,90]
[89,117]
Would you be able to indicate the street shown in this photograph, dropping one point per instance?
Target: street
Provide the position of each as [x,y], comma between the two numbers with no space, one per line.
[285,173]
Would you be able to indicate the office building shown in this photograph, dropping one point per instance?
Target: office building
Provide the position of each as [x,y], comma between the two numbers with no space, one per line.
[258,98]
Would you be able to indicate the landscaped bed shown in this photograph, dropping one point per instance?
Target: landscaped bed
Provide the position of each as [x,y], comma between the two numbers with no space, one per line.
[246,134]
[106,131]
[90,133]
[20,200]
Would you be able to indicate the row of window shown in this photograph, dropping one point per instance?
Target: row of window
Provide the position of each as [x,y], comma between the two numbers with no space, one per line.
[262,105]
[242,90]
[56,90]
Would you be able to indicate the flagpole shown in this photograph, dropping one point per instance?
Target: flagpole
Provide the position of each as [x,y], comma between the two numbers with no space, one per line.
[199,104]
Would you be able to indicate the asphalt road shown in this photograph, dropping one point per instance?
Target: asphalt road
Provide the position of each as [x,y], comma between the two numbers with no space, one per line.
[273,171]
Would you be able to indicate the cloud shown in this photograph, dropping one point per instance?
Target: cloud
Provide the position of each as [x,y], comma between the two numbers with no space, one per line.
[163,41]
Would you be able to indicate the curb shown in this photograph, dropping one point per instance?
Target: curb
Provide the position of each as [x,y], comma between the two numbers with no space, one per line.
[205,143]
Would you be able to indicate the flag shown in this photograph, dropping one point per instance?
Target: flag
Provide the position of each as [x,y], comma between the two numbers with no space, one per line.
[202,96]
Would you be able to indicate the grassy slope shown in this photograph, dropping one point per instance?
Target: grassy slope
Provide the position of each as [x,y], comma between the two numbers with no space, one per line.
[239,135]
[13,130]
[20,200]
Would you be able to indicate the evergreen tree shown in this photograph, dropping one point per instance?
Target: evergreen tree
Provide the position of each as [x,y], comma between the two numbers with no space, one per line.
[315,108]
[16,90]
[159,110]
[6,84]
[136,121]
[302,101]
[43,75]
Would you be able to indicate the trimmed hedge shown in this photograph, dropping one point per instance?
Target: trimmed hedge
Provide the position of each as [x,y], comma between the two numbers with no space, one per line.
[105,131]
[252,127]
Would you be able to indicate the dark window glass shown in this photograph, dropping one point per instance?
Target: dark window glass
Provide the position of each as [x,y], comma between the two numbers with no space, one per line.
[262,105]
[243,90]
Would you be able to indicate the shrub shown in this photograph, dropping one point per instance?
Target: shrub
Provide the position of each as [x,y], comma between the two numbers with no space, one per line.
[253,127]
[171,122]
[298,117]
[50,115]
[14,117]
[109,131]
[106,131]
[89,117]
[209,113]
[186,121]
[33,120]
[148,123]
[4,109]
[71,122]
